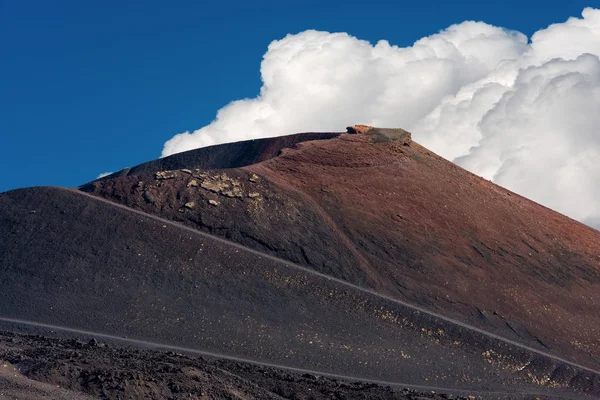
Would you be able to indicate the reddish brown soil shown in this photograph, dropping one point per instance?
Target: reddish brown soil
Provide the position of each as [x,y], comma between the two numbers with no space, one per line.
[442,237]
[393,216]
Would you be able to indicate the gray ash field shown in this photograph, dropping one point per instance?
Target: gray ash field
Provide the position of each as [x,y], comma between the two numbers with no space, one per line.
[296,257]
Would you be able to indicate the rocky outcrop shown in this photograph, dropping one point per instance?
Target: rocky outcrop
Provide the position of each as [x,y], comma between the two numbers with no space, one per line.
[223,185]
[379,135]
[162,175]
[358,129]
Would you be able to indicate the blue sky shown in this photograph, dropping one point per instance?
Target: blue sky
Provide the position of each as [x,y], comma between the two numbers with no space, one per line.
[89,87]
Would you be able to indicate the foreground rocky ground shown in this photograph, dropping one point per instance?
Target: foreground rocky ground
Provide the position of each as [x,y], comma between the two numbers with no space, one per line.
[38,367]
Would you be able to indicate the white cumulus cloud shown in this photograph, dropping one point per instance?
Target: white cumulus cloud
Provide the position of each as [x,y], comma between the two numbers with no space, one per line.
[522,113]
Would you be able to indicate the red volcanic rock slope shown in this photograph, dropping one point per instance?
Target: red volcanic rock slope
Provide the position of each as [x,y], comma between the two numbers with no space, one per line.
[379,210]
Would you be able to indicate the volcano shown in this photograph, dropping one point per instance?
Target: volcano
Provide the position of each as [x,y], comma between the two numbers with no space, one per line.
[358,255]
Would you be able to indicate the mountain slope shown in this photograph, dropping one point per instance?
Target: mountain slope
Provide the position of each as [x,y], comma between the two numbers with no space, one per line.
[382,212]
[77,261]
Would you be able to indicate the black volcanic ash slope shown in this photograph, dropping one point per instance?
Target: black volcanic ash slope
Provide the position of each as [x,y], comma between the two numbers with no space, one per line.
[231,155]
[73,260]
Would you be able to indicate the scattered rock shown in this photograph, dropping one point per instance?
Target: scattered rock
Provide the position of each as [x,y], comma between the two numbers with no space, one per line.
[235,192]
[198,174]
[213,202]
[192,183]
[190,205]
[253,195]
[96,344]
[222,184]
[165,175]
[214,186]
[140,184]
[253,178]
[147,197]
[398,217]
[187,171]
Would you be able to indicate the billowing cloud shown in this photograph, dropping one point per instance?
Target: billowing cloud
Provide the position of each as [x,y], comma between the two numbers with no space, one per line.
[522,113]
